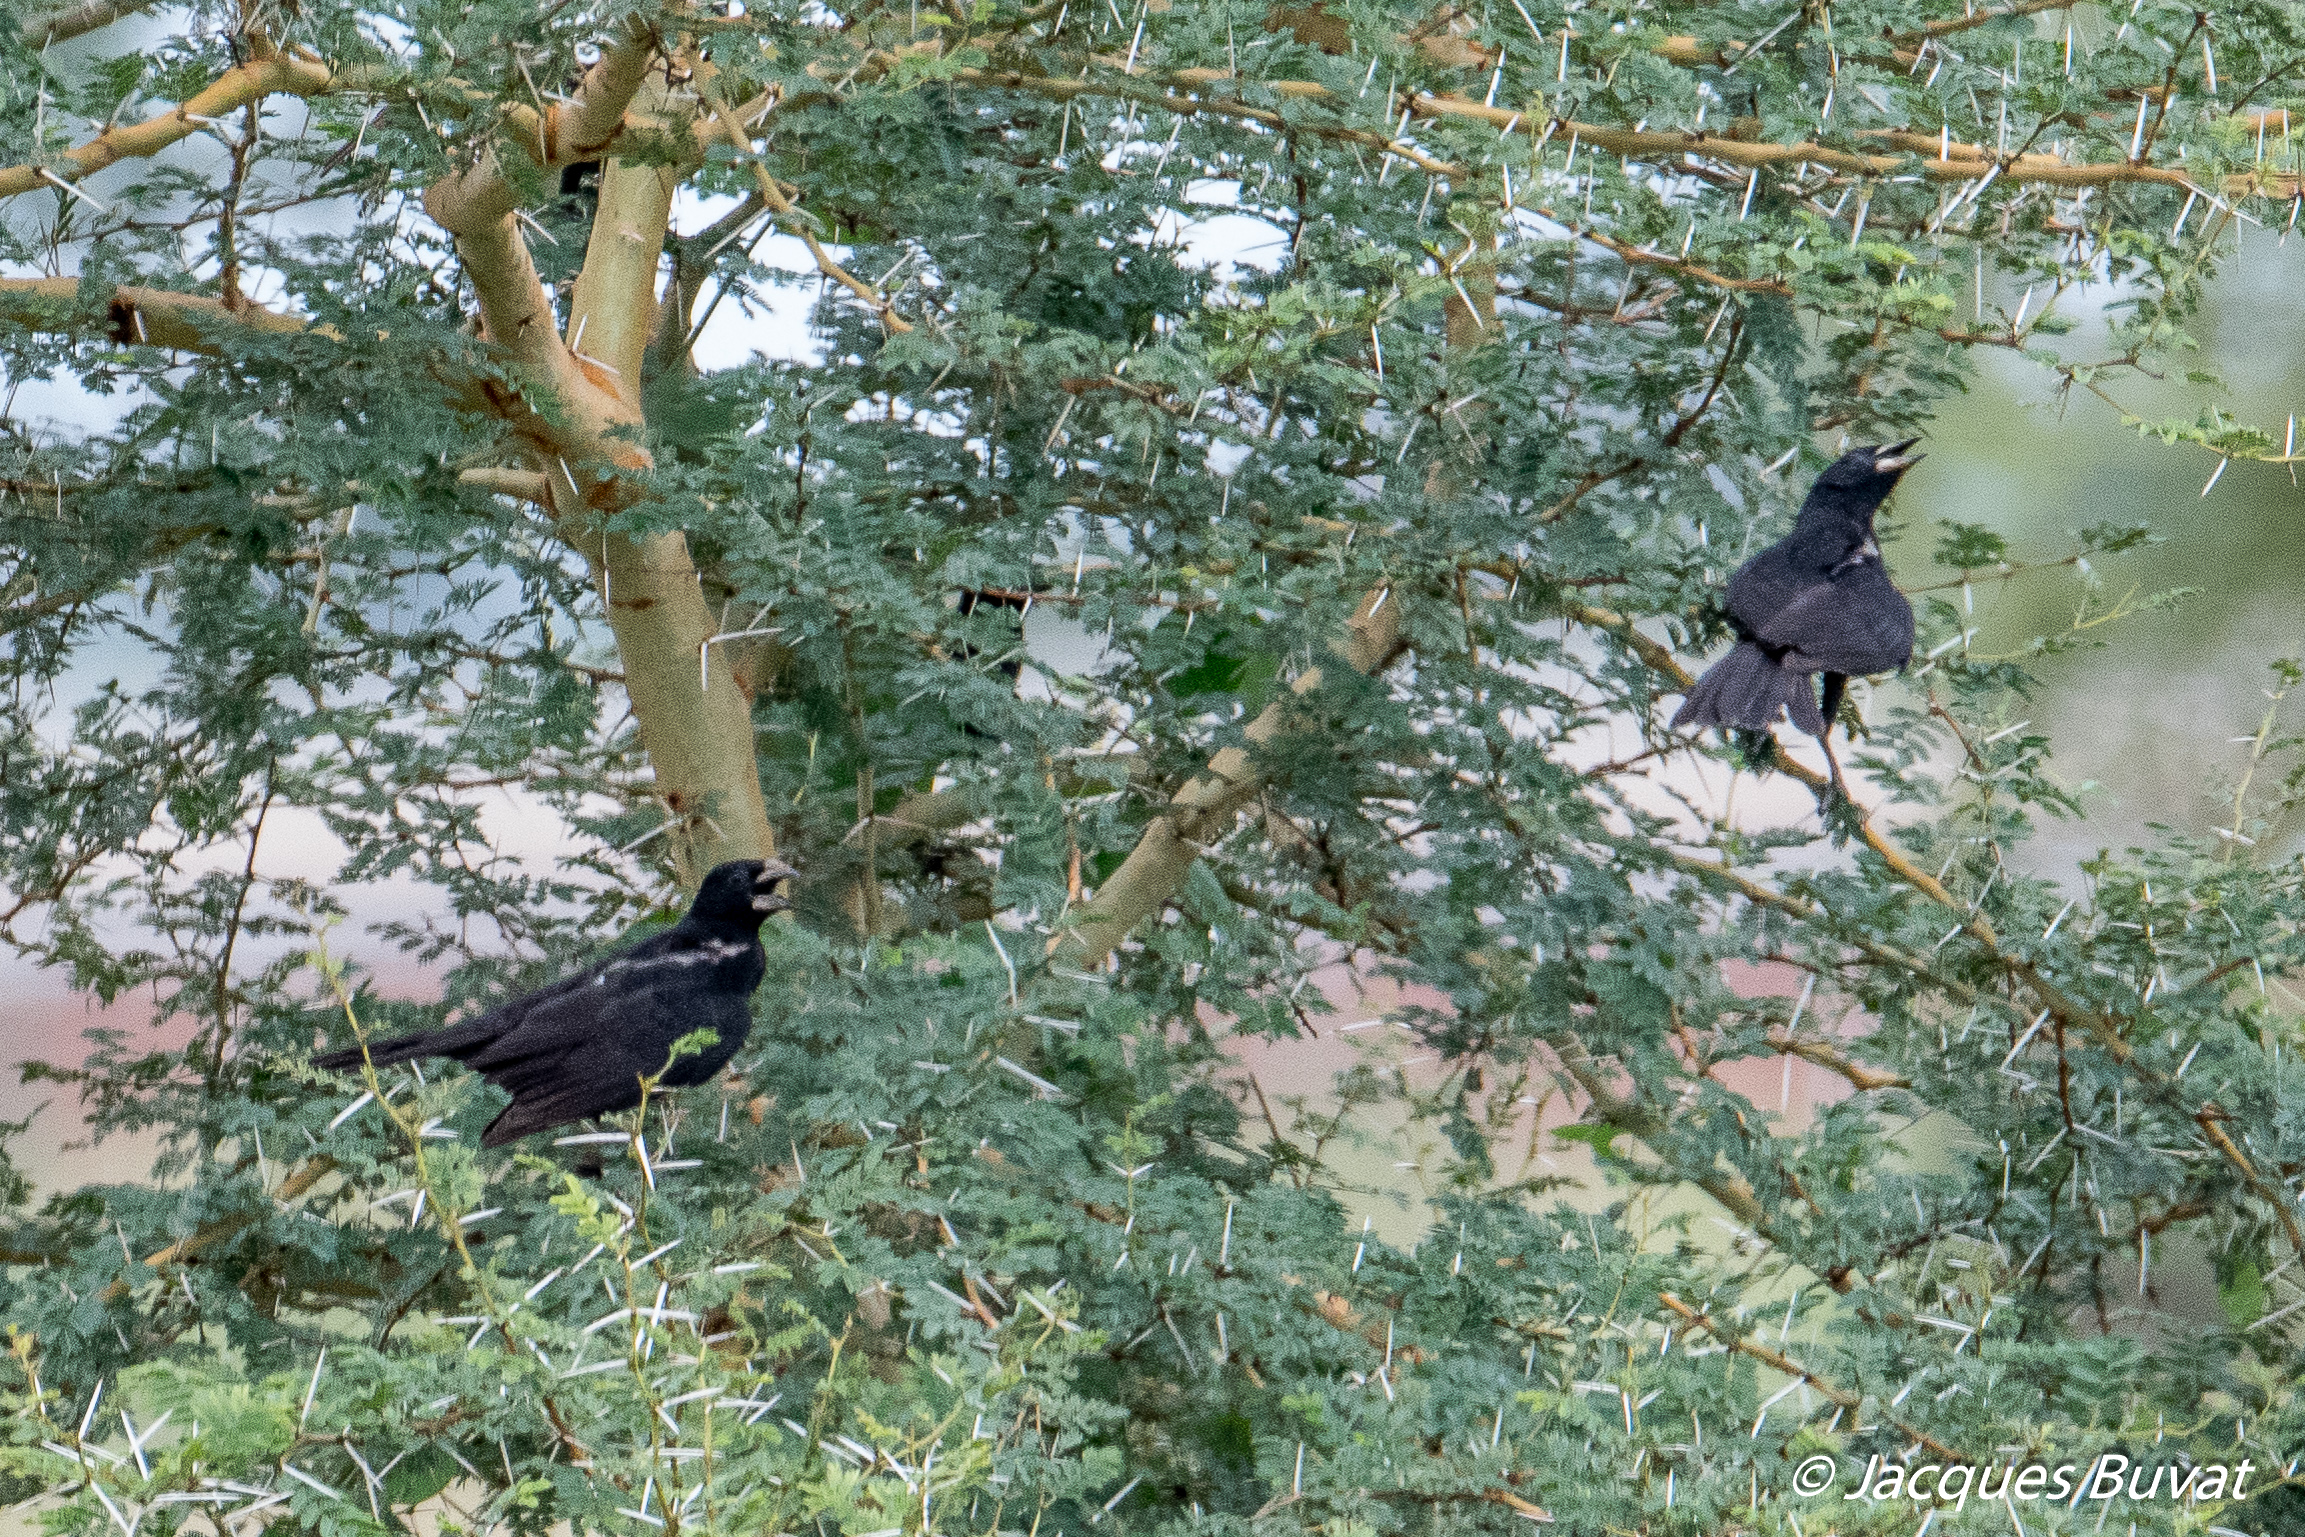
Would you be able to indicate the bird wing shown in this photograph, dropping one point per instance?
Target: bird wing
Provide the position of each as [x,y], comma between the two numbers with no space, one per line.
[589,1019]
[1762,587]
[583,1054]
[476,1036]
[508,1017]
[1855,622]
[614,1020]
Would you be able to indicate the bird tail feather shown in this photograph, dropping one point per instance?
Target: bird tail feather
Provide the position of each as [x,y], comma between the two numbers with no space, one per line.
[1748,691]
[511,1124]
[456,1041]
[541,1112]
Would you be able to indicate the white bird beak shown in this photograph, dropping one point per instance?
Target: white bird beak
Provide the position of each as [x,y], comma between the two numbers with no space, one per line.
[1895,457]
[764,894]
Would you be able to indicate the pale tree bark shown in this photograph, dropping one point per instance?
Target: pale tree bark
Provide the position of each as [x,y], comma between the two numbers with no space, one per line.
[1209,804]
[276,75]
[574,413]
[63,23]
[154,317]
[695,721]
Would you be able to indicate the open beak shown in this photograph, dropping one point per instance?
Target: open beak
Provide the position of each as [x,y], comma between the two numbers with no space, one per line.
[1891,458]
[765,899]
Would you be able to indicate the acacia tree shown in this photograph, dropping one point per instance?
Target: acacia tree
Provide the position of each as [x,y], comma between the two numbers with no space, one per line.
[420,495]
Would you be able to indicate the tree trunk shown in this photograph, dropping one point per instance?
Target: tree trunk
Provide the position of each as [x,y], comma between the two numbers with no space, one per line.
[695,722]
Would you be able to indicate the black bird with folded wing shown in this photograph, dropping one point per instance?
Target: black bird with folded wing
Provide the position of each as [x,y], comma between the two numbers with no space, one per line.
[580,1047]
[1817,601]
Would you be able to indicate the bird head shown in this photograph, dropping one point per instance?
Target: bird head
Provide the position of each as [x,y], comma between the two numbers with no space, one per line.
[1861,479]
[743,891]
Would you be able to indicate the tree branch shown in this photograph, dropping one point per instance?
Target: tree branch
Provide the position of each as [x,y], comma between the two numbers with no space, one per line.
[1060,88]
[1207,805]
[153,317]
[1777,1361]
[1685,50]
[188,1248]
[695,722]
[732,132]
[612,311]
[2062,1006]
[565,132]
[526,485]
[1732,1190]
[1930,158]
[67,22]
[235,88]
[577,422]
[1832,1059]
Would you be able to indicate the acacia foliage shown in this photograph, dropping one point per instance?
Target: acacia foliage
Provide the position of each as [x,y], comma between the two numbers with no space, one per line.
[991,1237]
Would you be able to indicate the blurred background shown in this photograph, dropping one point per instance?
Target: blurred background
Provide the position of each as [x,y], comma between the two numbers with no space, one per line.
[2146,717]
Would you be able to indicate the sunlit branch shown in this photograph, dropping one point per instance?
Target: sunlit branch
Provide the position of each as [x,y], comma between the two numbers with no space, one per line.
[1057,88]
[1686,50]
[1930,158]
[564,132]
[1208,804]
[137,316]
[64,23]
[244,85]
[524,485]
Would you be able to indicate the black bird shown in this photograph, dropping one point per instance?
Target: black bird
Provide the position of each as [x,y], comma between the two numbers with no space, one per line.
[1816,601]
[580,1047]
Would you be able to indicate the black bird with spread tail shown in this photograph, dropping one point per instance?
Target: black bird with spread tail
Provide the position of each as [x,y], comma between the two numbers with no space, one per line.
[580,1047]
[1817,601]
